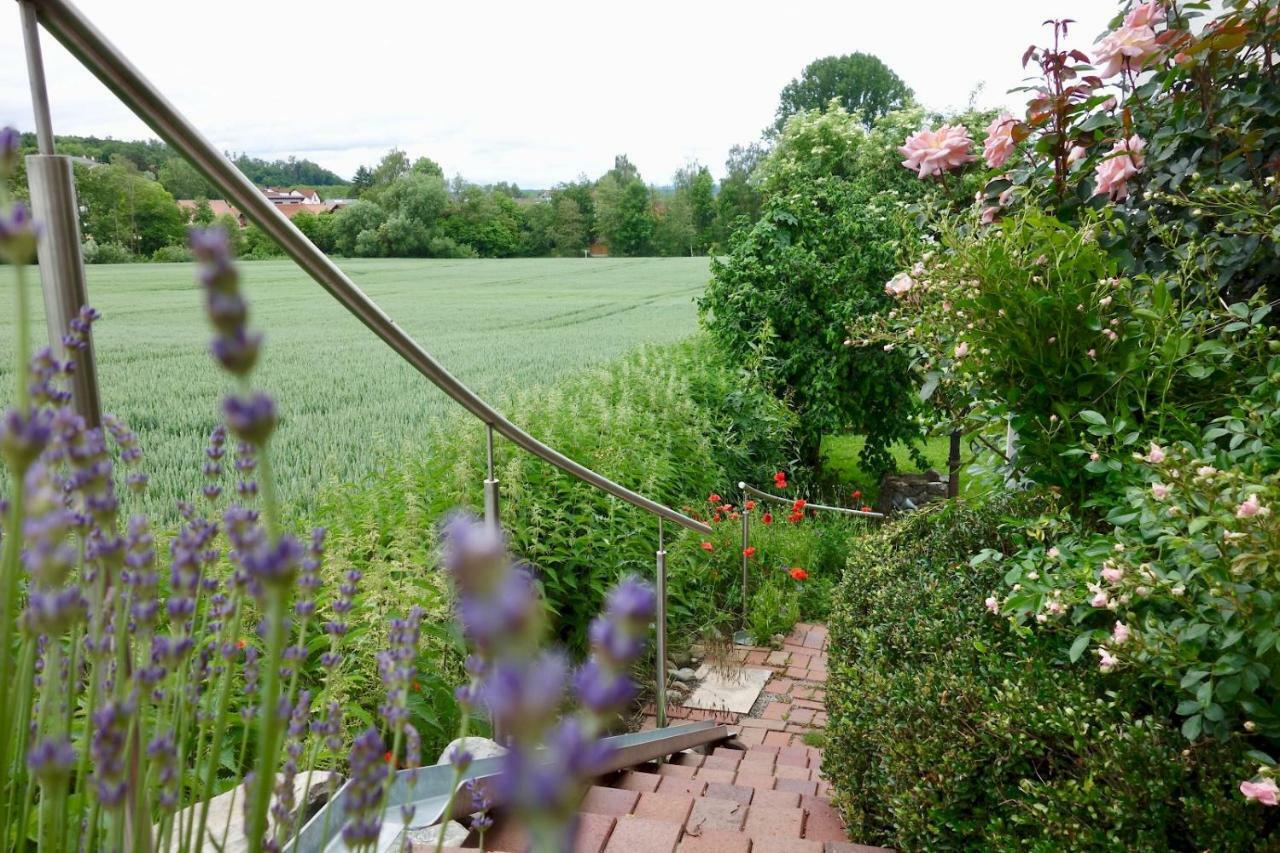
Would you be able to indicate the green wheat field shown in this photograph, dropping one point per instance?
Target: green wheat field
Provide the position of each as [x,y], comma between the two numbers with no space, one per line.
[347,403]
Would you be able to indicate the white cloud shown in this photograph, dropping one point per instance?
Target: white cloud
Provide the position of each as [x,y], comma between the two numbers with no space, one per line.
[499,90]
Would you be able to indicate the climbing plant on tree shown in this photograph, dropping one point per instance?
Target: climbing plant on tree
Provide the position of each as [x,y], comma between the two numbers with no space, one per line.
[818,257]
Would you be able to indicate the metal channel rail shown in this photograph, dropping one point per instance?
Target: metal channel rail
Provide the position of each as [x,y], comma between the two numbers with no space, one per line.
[62,275]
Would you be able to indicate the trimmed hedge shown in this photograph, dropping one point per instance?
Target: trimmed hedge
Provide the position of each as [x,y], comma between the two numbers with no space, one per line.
[951,728]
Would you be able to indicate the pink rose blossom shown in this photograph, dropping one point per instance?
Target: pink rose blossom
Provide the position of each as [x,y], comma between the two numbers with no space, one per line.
[1100,599]
[992,604]
[999,142]
[1054,553]
[1095,456]
[989,215]
[1206,471]
[1132,45]
[1156,454]
[1076,154]
[932,152]
[1264,792]
[1056,607]
[1106,660]
[1120,634]
[1145,15]
[1159,491]
[1115,170]
[900,285]
[1250,507]
[1112,574]
[962,350]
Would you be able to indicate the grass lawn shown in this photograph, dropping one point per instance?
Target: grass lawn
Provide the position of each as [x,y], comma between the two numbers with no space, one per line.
[346,401]
[840,461]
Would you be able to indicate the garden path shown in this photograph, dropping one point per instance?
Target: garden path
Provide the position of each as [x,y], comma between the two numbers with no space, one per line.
[771,797]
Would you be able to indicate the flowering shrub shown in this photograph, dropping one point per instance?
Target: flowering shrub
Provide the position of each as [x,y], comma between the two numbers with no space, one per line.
[952,729]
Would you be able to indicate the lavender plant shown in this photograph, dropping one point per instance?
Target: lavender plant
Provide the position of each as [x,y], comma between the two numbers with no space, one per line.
[127,681]
[551,755]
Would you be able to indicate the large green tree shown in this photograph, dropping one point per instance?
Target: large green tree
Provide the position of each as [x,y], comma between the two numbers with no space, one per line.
[859,82]
[816,259]
[739,199]
[120,205]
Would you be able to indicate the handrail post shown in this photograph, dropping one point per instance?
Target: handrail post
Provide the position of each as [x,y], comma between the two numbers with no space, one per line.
[53,201]
[746,543]
[492,514]
[660,698]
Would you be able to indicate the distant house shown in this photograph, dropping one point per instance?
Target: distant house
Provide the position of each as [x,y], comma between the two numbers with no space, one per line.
[217,205]
[302,195]
[599,249]
[288,208]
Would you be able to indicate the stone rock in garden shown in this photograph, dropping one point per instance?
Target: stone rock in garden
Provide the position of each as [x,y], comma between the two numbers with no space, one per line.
[680,659]
[907,492]
[479,747]
[455,835]
[324,783]
[684,674]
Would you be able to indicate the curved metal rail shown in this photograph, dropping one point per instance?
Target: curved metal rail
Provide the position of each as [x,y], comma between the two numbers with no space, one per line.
[754,492]
[70,27]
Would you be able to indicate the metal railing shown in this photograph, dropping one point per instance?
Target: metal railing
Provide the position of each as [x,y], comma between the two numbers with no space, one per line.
[62,275]
[749,492]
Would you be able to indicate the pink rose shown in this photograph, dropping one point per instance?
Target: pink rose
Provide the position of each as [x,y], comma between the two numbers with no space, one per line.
[1264,792]
[1115,170]
[1131,45]
[989,215]
[992,604]
[962,350]
[1145,15]
[1250,507]
[1120,634]
[1112,574]
[1159,491]
[900,285]
[999,143]
[932,152]
[1099,599]
[1077,153]
[1106,660]
[1156,454]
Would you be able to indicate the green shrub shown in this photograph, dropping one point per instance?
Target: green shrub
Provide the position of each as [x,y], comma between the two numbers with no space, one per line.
[952,728]
[171,255]
[639,421]
[107,253]
[774,608]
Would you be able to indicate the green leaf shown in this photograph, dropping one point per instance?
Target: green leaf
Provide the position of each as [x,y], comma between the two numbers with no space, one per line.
[1089,416]
[1191,728]
[1078,647]
[1192,677]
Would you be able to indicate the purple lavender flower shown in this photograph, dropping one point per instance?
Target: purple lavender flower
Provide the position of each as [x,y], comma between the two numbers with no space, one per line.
[24,436]
[10,145]
[18,234]
[252,418]
[52,759]
[162,752]
[396,666]
[273,564]
[364,793]
[111,724]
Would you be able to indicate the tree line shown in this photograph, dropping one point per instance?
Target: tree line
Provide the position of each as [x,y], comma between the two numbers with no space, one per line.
[405,207]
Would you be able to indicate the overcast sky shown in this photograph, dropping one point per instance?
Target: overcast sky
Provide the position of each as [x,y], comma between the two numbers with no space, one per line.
[534,93]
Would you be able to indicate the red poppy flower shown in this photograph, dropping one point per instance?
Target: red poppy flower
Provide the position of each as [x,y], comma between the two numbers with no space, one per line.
[798,573]
[749,551]
[857,493]
[866,508]
[713,498]
[707,546]
[796,517]
[799,505]
[750,505]
[780,479]
[388,757]
[767,518]
[417,687]
[239,644]
[715,518]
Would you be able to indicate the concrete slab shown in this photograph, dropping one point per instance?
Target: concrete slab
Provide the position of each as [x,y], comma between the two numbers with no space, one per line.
[734,691]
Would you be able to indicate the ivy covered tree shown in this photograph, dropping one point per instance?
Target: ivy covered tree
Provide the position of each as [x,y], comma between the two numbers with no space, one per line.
[818,257]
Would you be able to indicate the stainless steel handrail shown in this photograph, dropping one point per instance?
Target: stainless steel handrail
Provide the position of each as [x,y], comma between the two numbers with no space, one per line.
[70,27]
[751,490]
